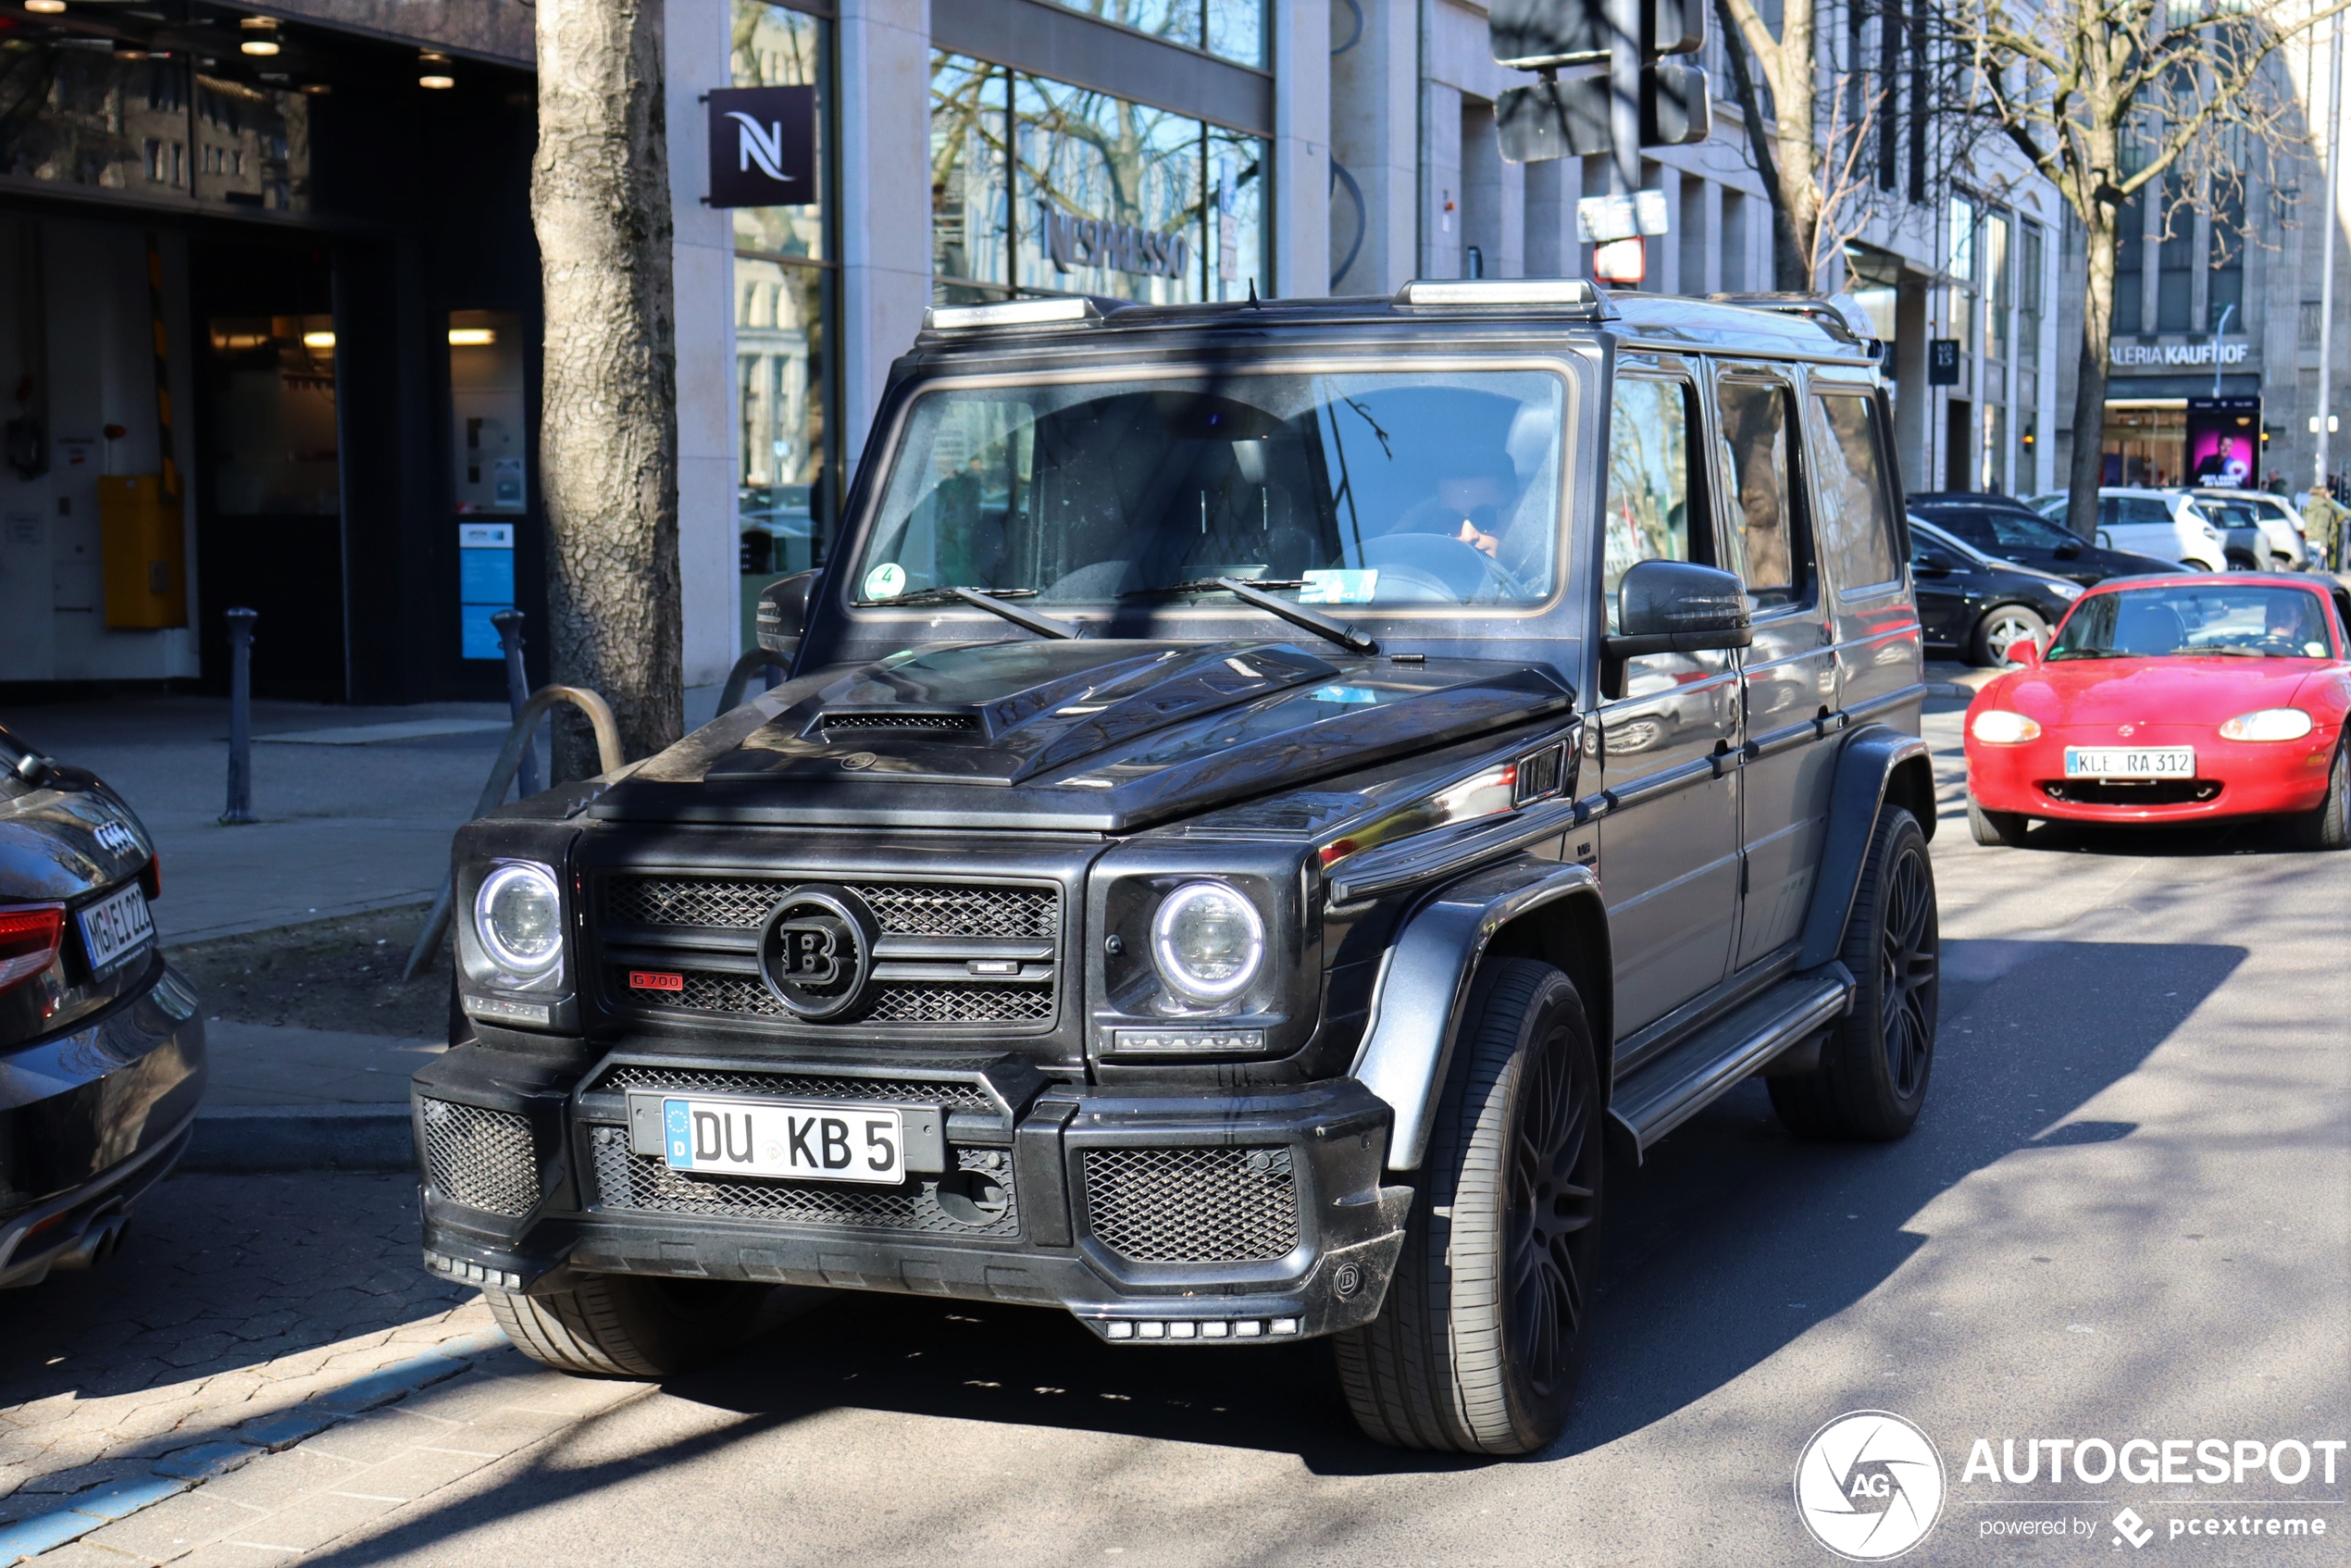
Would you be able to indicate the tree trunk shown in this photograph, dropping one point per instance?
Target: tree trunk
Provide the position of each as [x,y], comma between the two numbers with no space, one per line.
[608,420]
[2089,382]
[1795,223]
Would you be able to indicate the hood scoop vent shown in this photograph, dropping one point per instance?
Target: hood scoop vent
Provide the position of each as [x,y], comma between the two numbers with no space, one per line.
[900,720]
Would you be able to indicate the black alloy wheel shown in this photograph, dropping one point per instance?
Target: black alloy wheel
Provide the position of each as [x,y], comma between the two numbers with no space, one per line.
[1874,1067]
[1481,1337]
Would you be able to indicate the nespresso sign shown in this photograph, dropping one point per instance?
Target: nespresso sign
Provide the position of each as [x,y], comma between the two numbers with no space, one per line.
[763,146]
[1122,248]
[2133,355]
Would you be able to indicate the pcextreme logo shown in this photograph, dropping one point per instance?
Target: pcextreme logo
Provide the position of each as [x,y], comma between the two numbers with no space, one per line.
[1869,1486]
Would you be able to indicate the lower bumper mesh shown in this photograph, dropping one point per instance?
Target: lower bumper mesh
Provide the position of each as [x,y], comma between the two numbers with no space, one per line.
[482,1159]
[1193,1205]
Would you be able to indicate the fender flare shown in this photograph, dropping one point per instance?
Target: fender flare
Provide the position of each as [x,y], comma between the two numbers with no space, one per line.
[1865,768]
[1424,980]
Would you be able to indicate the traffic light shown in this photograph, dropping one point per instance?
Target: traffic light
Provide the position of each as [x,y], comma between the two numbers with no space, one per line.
[1553,118]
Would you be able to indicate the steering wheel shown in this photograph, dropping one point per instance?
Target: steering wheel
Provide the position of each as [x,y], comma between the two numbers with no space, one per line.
[1467,573]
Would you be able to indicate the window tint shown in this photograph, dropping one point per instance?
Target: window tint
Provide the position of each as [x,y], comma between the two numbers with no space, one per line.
[2146,509]
[1973,527]
[1857,520]
[1649,481]
[2018,531]
[1769,553]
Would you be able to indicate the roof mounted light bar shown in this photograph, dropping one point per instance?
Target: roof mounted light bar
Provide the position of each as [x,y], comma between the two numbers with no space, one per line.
[1009,312]
[1572,292]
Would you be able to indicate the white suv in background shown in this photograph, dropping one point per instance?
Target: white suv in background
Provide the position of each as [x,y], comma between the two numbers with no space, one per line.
[2166,524]
[2289,550]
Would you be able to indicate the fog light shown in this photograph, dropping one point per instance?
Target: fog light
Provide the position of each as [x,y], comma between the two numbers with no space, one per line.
[1248,1330]
[1285,1326]
[1216,1330]
[1118,1331]
[1183,1330]
[1151,1330]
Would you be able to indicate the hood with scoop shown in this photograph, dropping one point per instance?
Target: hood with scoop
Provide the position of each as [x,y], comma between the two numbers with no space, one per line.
[1100,735]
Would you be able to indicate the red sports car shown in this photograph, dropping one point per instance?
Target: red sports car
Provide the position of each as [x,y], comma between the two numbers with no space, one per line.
[2172,698]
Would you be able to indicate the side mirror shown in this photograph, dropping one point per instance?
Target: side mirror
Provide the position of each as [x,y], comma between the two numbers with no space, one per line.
[2023,652]
[2067,550]
[1678,607]
[783,611]
[1933,562]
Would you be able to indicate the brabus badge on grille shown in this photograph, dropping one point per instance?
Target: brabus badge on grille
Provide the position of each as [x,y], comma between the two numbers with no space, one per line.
[816,951]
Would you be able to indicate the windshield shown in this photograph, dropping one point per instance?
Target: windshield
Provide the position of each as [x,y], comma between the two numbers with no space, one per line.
[1339,489]
[2282,623]
[2015,531]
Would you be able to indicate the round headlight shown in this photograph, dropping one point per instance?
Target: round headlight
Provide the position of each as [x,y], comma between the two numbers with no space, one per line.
[2268,724]
[1207,941]
[2000,727]
[518,916]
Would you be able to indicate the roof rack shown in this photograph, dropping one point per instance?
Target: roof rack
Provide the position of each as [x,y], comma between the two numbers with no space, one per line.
[1840,313]
[1078,311]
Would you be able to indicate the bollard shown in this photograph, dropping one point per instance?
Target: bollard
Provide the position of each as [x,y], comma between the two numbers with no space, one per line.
[509,625]
[240,718]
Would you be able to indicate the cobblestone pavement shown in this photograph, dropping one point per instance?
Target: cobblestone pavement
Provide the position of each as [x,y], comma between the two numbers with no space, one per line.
[232,1298]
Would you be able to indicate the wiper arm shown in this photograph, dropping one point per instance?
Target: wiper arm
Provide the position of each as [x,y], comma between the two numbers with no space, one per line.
[989,599]
[1296,615]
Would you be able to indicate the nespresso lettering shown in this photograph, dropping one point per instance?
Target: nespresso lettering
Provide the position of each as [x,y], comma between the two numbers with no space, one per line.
[1122,248]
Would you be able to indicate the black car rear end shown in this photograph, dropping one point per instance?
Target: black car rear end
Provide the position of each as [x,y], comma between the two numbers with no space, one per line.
[102,1059]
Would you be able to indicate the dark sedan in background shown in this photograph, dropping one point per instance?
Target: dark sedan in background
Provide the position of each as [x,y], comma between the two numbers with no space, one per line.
[2008,529]
[1977,605]
[102,1058]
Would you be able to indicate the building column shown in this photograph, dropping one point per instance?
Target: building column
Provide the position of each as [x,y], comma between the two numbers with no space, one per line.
[1375,136]
[1551,190]
[1483,202]
[1665,251]
[1694,219]
[1913,399]
[885,200]
[1301,215]
[697,42]
[1441,225]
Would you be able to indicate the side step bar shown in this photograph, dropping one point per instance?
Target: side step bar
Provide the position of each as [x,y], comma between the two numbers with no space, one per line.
[1678,1085]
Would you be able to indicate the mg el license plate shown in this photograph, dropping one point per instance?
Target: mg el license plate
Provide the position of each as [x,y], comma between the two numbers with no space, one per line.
[116,927]
[2123,762]
[776,1138]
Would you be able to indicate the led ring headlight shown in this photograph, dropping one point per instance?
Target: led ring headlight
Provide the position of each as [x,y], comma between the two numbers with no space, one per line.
[1208,942]
[518,916]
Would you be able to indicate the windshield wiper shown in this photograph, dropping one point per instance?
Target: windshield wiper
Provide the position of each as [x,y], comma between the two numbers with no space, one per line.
[989,599]
[2231,649]
[1296,615]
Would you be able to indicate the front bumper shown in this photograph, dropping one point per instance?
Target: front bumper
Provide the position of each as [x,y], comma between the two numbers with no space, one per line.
[1206,1217]
[90,1119]
[2233,777]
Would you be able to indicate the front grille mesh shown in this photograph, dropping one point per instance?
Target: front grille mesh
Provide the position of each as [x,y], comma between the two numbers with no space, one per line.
[644,1182]
[1193,1205]
[904,909]
[959,1096]
[482,1159]
[902,1002]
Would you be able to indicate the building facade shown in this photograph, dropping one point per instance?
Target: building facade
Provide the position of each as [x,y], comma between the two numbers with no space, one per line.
[347,278]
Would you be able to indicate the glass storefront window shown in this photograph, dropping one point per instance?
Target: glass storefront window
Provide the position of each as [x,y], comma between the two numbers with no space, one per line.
[1995,287]
[1106,196]
[151,128]
[785,305]
[274,441]
[1233,28]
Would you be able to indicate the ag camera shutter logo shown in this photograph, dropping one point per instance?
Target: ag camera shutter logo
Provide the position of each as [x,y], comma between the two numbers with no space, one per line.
[1869,1486]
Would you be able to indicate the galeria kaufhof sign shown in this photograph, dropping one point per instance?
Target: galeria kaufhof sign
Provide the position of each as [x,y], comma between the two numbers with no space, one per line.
[1122,248]
[2127,356]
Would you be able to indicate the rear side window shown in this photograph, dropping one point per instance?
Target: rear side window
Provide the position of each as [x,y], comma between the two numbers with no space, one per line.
[1766,535]
[2146,509]
[1857,517]
[1649,481]
[1973,527]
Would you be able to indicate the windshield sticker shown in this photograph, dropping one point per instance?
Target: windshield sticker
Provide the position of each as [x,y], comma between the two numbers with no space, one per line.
[1339,587]
[885,582]
[1346,694]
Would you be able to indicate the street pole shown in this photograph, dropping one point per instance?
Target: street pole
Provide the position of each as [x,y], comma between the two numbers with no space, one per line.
[240,807]
[509,626]
[2219,328]
[2326,278]
[1625,96]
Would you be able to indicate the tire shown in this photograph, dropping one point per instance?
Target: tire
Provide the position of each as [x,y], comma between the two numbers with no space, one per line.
[1995,827]
[1483,1335]
[629,1326]
[2329,827]
[2001,626]
[1872,1077]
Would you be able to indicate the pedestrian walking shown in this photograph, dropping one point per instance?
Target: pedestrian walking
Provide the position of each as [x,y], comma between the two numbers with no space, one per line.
[2322,518]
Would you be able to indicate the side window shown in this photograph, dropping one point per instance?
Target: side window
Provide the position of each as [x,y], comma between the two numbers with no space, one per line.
[1767,542]
[2146,509]
[1648,482]
[1856,518]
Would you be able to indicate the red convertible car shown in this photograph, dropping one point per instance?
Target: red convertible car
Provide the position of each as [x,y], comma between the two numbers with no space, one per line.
[2172,698]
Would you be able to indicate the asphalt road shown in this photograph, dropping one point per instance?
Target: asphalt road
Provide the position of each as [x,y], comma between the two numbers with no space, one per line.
[2126,1213]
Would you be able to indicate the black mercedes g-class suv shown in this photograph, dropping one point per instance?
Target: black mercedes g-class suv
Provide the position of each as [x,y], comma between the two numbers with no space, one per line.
[1264,793]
